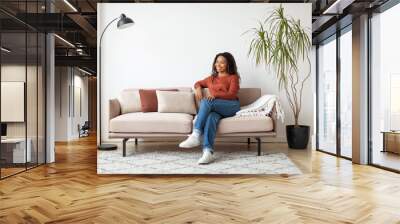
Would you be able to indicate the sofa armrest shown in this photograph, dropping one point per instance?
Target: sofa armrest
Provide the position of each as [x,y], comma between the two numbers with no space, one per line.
[274,117]
[114,108]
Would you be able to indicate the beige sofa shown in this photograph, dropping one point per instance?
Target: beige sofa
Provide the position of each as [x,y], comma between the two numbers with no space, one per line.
[127,122]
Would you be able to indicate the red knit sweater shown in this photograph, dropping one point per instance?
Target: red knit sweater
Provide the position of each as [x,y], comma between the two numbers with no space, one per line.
[224,87]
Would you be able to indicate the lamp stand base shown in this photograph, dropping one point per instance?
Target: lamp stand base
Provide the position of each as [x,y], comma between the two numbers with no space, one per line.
[107,147]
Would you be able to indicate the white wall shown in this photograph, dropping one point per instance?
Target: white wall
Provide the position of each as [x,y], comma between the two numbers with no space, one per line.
[68,80]
[61,103]
[174,44]
[80,83]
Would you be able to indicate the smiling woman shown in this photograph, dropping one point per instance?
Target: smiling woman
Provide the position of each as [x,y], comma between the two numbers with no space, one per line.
[222,102]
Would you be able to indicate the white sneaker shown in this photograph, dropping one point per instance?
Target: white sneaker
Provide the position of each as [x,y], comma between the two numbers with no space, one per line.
[190,142]
[207,157]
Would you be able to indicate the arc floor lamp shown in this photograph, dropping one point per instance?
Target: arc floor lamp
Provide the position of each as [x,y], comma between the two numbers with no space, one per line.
[123,22]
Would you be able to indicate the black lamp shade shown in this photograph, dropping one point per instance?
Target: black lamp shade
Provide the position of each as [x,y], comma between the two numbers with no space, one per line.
[124,22]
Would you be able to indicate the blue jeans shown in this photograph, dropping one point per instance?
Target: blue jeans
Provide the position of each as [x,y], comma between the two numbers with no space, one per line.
[210,112]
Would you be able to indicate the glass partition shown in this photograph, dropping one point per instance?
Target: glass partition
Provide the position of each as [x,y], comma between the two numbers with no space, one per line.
[41,96]
[31,99]
[22,77]
[13,94]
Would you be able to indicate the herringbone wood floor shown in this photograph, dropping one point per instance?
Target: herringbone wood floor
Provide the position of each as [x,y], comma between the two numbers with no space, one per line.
[70,191]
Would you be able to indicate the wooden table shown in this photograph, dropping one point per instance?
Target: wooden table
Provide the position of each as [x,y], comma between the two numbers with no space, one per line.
[391,141]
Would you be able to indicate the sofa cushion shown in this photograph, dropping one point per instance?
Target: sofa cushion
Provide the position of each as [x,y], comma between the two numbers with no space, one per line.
[245,124]
[152,122]
[176,102]
[129,101]
[148,99]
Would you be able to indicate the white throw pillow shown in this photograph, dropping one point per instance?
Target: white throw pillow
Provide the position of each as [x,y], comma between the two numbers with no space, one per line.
[176,102]
[130,101]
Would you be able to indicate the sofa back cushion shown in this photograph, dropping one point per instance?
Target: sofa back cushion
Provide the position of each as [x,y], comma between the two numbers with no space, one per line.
[176,102]
[248,95]
[148,99]
[129,101]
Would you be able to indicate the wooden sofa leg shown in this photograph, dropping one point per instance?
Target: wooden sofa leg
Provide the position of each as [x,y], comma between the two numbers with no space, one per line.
[248,141]
[136,141]
[258,146]
[124,146]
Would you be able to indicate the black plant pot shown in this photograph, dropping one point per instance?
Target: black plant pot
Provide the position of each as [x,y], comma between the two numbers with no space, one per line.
[297,136]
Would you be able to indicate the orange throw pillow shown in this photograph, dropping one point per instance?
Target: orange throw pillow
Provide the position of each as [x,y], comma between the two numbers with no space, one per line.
[148,99]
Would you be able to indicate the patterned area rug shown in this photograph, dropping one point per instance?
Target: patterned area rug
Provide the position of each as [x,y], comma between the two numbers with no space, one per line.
[185,162]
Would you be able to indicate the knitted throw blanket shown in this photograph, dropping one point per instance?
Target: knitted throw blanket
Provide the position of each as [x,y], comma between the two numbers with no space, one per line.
[263,106]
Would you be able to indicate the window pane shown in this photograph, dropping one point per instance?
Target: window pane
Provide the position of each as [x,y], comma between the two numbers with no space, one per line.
[346,94]
[327,97]
[385,84]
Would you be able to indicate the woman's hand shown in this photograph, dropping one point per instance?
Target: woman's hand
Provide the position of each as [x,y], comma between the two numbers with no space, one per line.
[198,94]
[210,97]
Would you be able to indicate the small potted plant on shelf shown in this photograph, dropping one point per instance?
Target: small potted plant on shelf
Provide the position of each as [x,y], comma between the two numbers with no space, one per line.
[282,43]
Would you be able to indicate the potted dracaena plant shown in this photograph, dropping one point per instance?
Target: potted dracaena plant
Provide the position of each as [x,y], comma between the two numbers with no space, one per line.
[281,43]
